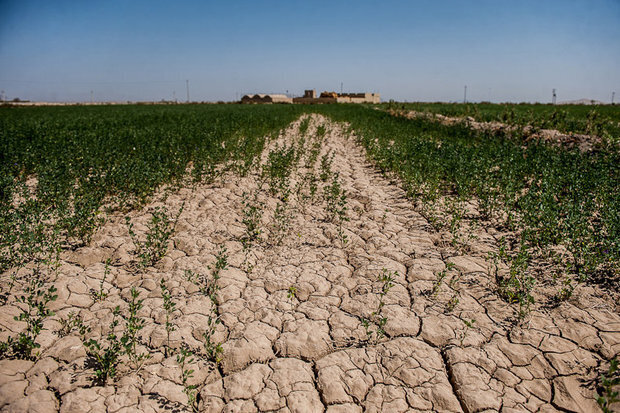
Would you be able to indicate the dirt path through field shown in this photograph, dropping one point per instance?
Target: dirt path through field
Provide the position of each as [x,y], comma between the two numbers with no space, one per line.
[584,142]
[336,318]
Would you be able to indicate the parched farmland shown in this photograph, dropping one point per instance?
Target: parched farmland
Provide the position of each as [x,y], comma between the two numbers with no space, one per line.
[303,258]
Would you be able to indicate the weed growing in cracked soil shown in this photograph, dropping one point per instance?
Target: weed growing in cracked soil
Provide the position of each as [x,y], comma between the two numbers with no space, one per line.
[67,325]
[469,324]
[252,215]
[35,310]
[104,355]
[101,294]
[169,307]
[221,264]
[336,206]
[213,350]
[608,381]
[377,319]
[185,357]
[278,169]
[159,230]
[133,325]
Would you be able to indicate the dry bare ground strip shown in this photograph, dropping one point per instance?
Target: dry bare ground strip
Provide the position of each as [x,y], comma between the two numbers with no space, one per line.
[292,315]
[584,142]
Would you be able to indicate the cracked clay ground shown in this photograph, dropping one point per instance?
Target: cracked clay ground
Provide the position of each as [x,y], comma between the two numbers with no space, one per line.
[308,351]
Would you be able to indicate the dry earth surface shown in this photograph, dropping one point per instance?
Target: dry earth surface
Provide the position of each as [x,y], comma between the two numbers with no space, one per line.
[583,142]
[292,314]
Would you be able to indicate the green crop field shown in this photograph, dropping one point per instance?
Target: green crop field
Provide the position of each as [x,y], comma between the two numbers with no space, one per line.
[86,157]
[597,120]
[351,208]
[548,195]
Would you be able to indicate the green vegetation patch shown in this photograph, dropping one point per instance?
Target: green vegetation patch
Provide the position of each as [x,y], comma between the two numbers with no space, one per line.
[60,165]
[547,195]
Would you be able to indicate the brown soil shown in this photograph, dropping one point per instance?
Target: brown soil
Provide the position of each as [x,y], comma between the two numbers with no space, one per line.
[308,351]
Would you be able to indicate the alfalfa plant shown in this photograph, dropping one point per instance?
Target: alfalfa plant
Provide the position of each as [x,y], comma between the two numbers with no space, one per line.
[252,215]
[517,286]
[608,381]
[313,155]
[566,291]
[211,287]
[184,358]
[281,223]
[469,324]
[303,126]
[310,181]
[214,350]
[36,300]
[325,171]
[292,292]
[68,324]
[336,206]
[169,308]
[159,230]
[191,276]
[439,279]
[278,169]
[133,325]
[453,302]
[376,317]
[101,294]
[456,212]
[105,356]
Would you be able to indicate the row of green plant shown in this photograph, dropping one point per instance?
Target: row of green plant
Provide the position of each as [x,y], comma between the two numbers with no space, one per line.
[599,120]
[121,340]
[546,196]
[62,168]
[285,163]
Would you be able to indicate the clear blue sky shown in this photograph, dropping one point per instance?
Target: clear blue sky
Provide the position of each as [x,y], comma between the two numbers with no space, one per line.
[503,50]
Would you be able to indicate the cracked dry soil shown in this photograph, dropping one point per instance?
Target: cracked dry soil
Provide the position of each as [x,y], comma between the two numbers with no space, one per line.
[308,351]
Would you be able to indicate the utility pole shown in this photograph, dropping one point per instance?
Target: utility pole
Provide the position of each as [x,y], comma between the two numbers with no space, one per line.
[613,95]
[553,98]
[187,86]
[465,95]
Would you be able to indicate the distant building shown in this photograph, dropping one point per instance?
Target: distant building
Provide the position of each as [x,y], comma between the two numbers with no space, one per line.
[333,97]
[266,98]
[358,98]
[310,97]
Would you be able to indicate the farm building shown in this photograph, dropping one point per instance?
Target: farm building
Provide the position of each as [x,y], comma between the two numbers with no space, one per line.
[333,97]
[310,96]
[266,98]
